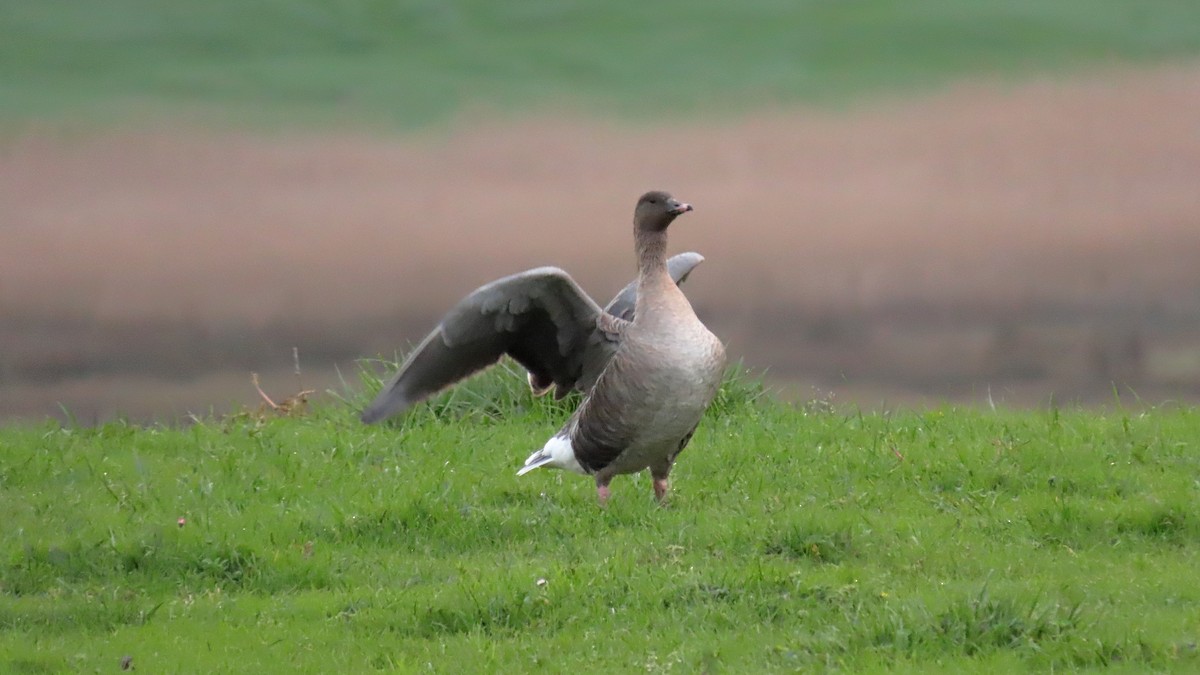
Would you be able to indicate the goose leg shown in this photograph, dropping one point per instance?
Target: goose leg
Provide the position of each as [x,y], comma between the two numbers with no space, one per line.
[603,478]
[659,473]
[661,486]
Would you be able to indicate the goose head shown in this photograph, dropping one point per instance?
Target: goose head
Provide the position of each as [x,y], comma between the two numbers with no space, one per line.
[656,209]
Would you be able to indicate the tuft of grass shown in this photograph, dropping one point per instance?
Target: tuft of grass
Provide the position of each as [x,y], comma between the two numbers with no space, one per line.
[497,393]
[982,623]
[813,541]
[502,392]
[742,390]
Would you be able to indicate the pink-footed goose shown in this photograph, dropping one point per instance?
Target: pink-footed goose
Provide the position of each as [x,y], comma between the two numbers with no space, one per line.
[647,365]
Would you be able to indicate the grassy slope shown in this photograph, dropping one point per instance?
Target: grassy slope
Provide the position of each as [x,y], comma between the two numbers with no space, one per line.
[412,62]
[798,538]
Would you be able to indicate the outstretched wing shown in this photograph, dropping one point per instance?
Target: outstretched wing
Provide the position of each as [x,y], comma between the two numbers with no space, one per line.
[679,266]
[540,317]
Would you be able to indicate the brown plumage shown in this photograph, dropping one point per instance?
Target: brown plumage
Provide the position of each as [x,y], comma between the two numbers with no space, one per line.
[666,369]
[648,366]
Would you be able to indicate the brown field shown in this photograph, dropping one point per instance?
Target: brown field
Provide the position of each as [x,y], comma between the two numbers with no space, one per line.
[1018,241]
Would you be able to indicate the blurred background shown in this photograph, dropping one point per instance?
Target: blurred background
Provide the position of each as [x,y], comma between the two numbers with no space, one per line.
[908,202]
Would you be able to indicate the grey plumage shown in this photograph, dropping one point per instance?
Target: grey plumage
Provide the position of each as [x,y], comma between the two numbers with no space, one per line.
[649,367]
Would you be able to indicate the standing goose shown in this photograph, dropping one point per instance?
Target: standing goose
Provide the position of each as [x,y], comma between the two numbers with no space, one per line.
[647,364]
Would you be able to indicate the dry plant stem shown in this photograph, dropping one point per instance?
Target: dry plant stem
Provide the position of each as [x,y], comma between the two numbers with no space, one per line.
[263,394]
[289,404]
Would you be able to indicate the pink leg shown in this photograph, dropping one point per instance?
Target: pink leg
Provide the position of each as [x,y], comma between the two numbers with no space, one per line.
[660,490]
[602,493]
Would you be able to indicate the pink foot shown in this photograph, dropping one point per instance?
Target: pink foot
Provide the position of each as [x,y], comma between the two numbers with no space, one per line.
[660,490]
[602,493]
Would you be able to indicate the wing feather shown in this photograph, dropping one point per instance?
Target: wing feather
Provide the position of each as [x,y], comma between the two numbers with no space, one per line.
[540,317]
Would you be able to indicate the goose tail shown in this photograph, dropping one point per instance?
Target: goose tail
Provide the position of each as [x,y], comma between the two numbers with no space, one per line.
[558,453]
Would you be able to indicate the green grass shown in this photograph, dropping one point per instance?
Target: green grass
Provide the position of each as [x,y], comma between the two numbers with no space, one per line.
[798,538]
[419,61]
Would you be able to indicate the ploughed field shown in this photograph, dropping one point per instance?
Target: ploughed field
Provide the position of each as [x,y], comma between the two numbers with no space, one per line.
[1012,241]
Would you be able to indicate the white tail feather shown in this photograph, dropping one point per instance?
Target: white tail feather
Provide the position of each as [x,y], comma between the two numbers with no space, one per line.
[558,453]
[539,458]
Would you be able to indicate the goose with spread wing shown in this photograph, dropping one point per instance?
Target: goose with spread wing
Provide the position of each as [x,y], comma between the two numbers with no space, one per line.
[647,366]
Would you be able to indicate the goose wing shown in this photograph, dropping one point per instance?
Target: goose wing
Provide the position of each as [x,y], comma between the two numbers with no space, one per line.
[540,317]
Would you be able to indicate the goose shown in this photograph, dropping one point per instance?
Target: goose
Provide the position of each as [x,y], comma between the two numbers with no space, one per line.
[646,364]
